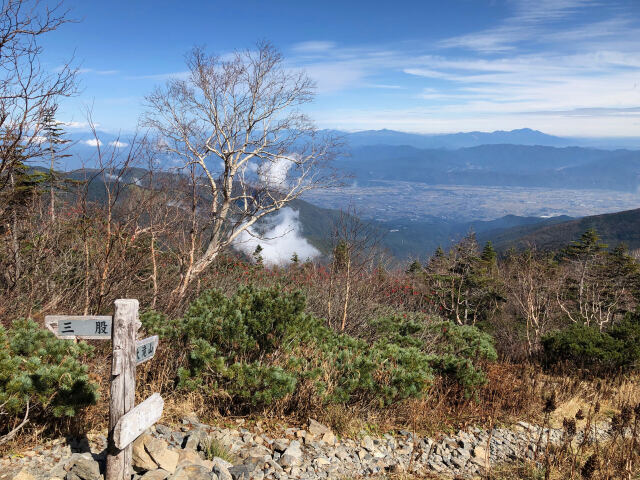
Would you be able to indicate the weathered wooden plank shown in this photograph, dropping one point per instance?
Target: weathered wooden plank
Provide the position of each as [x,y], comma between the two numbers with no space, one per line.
[123,377]
[146,349]
[137,420]
[68,327]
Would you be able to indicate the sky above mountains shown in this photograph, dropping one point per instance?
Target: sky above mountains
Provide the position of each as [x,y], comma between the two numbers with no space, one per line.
[566,67]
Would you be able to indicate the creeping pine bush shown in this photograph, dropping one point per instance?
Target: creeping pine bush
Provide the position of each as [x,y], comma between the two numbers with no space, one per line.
[259,346]
[38,368]
[452,350]
[600,352]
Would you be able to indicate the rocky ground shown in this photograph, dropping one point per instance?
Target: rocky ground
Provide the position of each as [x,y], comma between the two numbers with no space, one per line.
[203,452]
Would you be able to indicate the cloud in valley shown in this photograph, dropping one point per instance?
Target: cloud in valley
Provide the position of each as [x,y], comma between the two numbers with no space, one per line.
[282,238]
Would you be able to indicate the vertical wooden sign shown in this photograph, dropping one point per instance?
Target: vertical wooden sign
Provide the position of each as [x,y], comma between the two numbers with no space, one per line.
[123,389]
[125,421]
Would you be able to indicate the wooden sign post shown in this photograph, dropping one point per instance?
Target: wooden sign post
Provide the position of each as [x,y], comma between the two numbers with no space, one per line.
[126,423]
[123,383]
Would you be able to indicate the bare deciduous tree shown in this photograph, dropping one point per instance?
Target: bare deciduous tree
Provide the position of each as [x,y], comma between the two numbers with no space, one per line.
[234,126]
[27,89]
[355,250]
[532,281]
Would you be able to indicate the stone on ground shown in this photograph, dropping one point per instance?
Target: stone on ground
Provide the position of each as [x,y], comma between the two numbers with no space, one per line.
[159,451]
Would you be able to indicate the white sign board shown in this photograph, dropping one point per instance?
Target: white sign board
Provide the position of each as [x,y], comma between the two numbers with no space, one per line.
[80,326]
[133,423]
[146,349]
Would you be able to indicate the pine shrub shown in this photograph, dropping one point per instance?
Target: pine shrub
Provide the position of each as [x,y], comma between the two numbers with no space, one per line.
[39,369]
[259,346]
[600,352]
[454,351]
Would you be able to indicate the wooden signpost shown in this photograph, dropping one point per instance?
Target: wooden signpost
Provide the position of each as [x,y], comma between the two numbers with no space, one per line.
[126,422]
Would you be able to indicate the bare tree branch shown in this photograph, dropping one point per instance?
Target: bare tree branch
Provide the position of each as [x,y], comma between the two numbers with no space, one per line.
[235,125]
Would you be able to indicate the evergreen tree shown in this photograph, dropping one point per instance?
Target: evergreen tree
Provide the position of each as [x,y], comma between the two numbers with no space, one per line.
[415,267]
[489,254]
[22,185]
[257,255]
[490,258]
[600,284]
[55,135]
[341,255]
[465,289]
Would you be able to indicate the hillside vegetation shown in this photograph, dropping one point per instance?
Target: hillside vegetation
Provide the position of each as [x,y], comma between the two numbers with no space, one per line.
[613,229]
[427,344]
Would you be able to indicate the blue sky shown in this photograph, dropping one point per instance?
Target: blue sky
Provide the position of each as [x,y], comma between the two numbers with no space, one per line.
[566,67]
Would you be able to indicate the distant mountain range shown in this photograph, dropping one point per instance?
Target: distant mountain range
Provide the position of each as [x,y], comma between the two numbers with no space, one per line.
[84,149]
[525,158]
[522,136]
[497,165]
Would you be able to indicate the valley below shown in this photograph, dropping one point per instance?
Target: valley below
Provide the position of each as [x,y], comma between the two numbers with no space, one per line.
[389,200]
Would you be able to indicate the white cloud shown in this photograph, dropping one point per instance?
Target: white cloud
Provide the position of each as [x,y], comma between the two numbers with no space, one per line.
[97,72]
[78,125]
[161,76]
[534,72]
[280,240]
[274,173]
[529,22]
[383,86]
[313,46]
[252,167]
[118,144]
[92,142]
[335,76]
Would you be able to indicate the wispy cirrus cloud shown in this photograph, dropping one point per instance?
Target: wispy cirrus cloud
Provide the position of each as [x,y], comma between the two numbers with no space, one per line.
[530,21]
[313,46]
[97,72]
[544,63]
[160,76]
[73,125]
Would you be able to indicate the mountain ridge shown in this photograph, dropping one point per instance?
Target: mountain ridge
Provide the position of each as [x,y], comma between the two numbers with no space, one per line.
[613,229]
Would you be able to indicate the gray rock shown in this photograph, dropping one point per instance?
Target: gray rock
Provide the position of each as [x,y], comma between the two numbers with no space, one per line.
[158,474]
[159,452]
[317,429]
[193,472]
[190,419]
[221,471]
[163,429]
[84,468]
[23,475]
[195,440]
[367,443]
[242,472]
[292,456]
